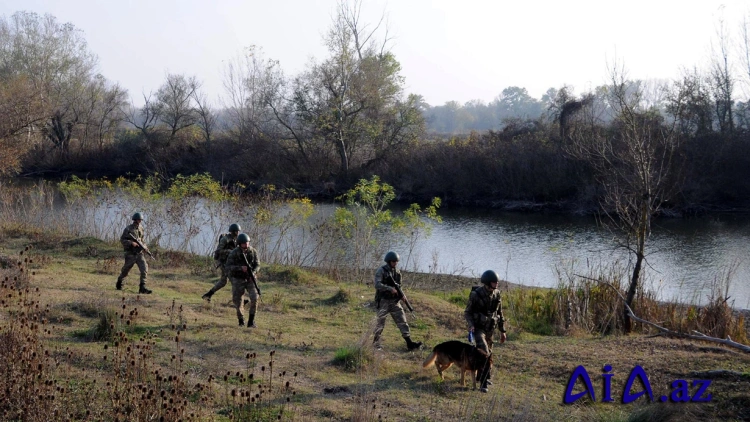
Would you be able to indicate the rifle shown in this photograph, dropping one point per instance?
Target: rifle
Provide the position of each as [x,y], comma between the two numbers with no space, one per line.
[142,246]
[251,275]
[401,294]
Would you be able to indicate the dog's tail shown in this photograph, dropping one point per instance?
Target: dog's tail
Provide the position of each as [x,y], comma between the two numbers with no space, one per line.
[430,360]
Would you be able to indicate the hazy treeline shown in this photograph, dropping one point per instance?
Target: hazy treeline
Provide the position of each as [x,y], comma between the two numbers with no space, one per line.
[453,118]
[347,117]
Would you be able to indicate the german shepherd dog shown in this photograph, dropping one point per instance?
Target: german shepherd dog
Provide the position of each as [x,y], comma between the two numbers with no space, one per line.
[464,355]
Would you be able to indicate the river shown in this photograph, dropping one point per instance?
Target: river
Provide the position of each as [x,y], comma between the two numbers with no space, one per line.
[685,257]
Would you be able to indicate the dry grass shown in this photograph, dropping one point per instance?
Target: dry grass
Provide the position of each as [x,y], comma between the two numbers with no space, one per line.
[172,355]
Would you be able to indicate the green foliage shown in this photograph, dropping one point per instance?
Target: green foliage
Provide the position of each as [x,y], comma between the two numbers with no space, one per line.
[105,327]
[533,310]
[283,274]
[142,188]
[367,212]
[77,188]
[341,297]
[419,324]
[459,299]
[368,198]
[352,358]
[201,185]
[412,219]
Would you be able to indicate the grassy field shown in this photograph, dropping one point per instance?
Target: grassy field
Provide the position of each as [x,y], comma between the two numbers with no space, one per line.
[314,334]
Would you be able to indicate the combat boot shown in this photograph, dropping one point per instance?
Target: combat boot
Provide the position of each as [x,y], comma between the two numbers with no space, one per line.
[376,343]
[484,388]
[411,345]
[241,320]
[207,296]
[488,382]
[479,378]
[118,285]
[143,290]
[251,321]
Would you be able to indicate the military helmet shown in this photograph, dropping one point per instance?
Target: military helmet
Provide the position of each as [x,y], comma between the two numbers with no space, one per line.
[391,256]
[235,227]
[489,276]
[137,216]
[242,238]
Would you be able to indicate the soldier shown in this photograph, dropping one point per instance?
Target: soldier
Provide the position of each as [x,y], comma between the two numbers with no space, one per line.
[227,242]
[240,263]
[483,313]
[388,301]
[134,253]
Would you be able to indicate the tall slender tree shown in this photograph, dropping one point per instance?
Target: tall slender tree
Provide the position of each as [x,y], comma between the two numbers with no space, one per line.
[634,163]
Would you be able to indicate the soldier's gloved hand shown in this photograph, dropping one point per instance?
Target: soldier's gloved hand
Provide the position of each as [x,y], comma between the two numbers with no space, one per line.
[503,337]
[244,268]
[394,291]
[134,244]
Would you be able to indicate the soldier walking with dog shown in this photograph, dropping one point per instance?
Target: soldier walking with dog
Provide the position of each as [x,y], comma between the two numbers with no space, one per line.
[132,241]
[483,313]
[242,264]
[227,243]
[388,301]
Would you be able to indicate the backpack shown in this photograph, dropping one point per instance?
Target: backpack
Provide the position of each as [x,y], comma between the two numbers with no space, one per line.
[217,252]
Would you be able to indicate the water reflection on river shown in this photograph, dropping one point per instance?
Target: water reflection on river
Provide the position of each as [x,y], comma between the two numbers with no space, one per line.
[685,256]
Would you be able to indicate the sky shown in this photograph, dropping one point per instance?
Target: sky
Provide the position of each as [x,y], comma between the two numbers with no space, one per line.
[449,50]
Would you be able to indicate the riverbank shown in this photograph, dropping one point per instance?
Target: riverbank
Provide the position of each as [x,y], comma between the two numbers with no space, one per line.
[310,325]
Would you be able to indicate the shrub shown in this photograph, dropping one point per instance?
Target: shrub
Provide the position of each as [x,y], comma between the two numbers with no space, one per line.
[342,296]
[352,358]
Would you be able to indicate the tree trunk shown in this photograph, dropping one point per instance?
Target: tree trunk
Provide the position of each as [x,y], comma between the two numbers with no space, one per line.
[631,291]
[640,254]
[344,158]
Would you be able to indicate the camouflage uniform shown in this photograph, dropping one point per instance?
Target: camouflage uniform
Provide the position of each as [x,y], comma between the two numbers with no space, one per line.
[133,255]
[388,303]
[227,243]
[240,281]
[484,312]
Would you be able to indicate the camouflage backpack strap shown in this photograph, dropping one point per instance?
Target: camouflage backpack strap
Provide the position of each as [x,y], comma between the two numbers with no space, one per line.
[231,243]
[217,252]
[483,298]
[484,308]
[396,276]
[389,277]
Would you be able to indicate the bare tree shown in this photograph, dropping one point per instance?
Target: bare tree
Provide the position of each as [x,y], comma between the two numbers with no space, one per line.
[252,84]
[634,164]
[55,60]
[722,81]
[689,102]
[109,113]
[206,117]
[744,48]
[352,101]
[145,118]
[20,110]
[174,100]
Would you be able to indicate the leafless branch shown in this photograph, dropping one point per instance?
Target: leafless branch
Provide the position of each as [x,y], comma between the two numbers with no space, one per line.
[698,336]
